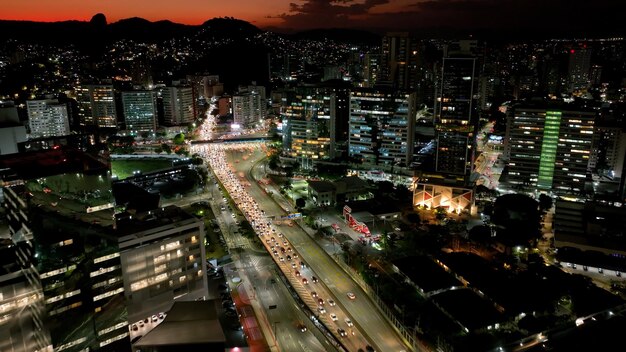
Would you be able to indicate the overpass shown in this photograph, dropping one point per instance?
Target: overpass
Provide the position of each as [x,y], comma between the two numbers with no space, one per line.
[234,140]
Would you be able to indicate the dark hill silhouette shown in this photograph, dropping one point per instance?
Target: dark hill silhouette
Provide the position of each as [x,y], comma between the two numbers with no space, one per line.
[353,36]
[227,27]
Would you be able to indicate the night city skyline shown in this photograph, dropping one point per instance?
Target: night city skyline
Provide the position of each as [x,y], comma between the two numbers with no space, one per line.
[312,176]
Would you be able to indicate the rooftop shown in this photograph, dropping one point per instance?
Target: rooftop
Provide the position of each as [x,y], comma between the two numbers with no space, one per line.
[192,323]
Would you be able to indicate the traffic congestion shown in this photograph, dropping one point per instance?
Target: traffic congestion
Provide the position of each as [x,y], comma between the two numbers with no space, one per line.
[286,256]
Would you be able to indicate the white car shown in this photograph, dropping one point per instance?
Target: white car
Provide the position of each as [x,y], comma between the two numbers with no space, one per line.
[331,302]
[349,322]
[351,295]
[333,316]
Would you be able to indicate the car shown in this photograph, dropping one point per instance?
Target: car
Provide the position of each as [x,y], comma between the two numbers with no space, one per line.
[342,332]
[280,234]
[320,301]
[301,327]
[333,317]
[331,302]
[349,322]
[313,294]
[289,249]
[305,281]
[293,265]
[288,258]
[141,324]
[322,310]
[134,327]
[302,265]
[285,243]
[281,259]
[351,295]
[314,279]
[155,318]
[273,239]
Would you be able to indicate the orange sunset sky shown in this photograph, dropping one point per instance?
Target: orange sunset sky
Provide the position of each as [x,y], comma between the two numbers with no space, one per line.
[261,13]
[562,16]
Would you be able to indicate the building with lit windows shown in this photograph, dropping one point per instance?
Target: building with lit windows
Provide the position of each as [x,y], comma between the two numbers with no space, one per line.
[455,122]
[140,113]
[21,300]
[97,106]
[67,250]
[381,127]
[178,105]
[308,119]
[47,118]
[549,147]
[248,109]
[398,61]
[163,260]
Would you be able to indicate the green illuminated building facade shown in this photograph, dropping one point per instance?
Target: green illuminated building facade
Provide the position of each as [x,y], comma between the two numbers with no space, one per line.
[552,124]
[549,148]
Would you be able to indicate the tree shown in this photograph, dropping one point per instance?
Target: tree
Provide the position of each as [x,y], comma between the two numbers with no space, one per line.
[158,150]
[166,148]
[179,139]
[545,202]
[300,203]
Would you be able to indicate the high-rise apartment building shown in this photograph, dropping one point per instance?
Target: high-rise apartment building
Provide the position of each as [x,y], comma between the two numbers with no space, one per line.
[140,112]
[608,152]
[398,61]
[381,127]
[96,105]
[578,68]
[371,70]
[178,105]
[248,109]
[549,147]
[47,118]
[455,120]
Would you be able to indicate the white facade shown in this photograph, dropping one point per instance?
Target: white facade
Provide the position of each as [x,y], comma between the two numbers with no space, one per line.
[178,108]
[248,109]
[47,118]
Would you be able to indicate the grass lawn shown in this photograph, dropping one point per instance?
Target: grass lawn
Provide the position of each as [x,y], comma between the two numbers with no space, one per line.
[124,168]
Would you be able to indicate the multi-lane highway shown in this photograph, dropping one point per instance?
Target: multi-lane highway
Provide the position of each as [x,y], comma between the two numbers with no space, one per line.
[370,327]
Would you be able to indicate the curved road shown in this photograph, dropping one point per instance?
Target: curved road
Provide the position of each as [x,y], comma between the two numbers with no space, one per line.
[362,311]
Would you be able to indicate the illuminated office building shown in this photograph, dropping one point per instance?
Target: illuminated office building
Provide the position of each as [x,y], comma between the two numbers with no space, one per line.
[69,257]
[163,260]
[308,119]
[381,127]
[549,148]
[140,112]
